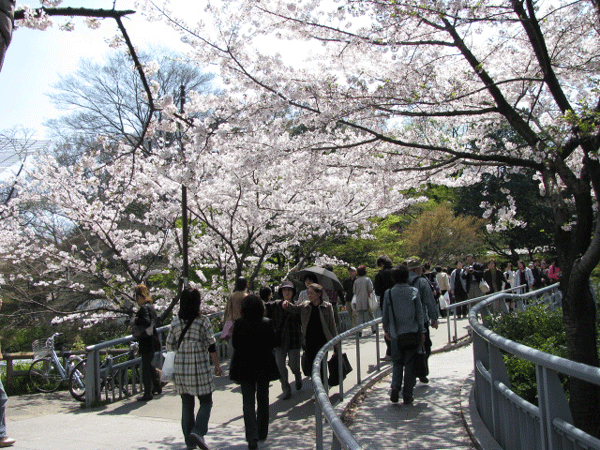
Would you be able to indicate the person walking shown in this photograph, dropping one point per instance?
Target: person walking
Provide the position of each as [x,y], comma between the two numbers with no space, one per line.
[363,289]
[288,333]
[191,336]
[348,285]
[494,277]
[443,280]
[5,441]
[402,315]
[148,343]
[233,308]
[317,321]
[383,282]
[458,289]
[430,311]
[253,366]
[523,278]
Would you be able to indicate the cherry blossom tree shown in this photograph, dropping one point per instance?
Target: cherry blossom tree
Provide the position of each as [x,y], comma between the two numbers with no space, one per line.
[426,89]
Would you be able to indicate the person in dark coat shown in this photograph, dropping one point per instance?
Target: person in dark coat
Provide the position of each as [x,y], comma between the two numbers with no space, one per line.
[494,277]
[289,336]
[384,281]
[253,366]
[145,318]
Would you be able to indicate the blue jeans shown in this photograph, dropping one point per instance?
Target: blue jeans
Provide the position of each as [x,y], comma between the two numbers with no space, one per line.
[404,370]
[256,419]
[198,425]
[3,402]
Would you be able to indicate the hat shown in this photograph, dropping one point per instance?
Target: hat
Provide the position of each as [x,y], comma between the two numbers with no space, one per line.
[352,268]
[287,284]
[412,263]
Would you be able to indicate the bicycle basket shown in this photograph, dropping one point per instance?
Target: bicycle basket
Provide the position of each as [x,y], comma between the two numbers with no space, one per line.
[40,348]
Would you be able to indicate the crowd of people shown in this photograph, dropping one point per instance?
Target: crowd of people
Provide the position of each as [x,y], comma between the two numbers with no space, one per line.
[269,335]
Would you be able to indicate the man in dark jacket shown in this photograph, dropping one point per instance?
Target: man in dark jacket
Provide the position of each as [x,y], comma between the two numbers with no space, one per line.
[384,281]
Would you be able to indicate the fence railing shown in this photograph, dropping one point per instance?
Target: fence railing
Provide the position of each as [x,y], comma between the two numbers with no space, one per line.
[105,381]
[515,423]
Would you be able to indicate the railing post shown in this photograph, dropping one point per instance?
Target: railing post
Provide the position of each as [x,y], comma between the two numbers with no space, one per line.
[92,378]
[498,373]
[552,403]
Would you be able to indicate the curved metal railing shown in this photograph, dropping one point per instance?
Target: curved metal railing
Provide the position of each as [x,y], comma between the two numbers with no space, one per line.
[515,423]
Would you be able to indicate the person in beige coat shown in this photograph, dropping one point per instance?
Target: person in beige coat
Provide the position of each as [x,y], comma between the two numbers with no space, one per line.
[318,324]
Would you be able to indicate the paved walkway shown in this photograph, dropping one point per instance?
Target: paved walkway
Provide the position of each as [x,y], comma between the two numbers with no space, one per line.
[57,422]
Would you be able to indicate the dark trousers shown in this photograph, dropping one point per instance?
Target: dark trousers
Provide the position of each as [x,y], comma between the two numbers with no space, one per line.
[150,378]
[255,397]
[199,423]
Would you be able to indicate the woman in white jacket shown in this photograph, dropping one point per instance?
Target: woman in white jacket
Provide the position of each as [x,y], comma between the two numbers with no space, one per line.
[524,278]
[363,289]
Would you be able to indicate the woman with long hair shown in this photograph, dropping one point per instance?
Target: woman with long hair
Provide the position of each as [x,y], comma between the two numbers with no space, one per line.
[253,366]
[191,336]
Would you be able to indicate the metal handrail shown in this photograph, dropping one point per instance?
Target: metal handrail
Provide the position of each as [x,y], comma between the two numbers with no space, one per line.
[94,372]
[502,411]
[323,406]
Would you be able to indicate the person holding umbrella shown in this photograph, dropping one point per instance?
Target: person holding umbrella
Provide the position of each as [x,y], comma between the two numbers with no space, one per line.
[317,321]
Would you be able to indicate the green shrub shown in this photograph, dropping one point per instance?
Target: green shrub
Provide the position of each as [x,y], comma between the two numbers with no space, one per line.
[536,327]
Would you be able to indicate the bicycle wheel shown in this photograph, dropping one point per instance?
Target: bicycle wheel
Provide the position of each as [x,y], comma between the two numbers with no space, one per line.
[44,375]
[77,381]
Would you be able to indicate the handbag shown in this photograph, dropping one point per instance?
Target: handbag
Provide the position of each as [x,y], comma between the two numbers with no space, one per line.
[333,379]
[139,332]
[485,288]
[408,341]
[227,330]
[168,366]
[373,303]
[353,303]
[444,300]
[421,366]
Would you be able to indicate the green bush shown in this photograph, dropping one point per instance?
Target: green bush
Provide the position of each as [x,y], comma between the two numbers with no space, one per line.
[20,384]
[539,328]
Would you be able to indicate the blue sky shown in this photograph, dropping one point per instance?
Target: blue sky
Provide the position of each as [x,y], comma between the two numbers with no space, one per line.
[37,59]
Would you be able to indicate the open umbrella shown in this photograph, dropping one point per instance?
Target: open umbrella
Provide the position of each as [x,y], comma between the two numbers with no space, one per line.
[326,278]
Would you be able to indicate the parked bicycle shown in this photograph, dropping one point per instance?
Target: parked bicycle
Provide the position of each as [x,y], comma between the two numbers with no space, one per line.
[47,371]
[77,380]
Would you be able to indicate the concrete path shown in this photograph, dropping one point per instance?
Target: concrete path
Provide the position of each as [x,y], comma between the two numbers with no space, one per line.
[57,422]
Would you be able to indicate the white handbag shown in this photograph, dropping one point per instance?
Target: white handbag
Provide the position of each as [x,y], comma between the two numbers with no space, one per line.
[485,288]
[373,303]
[168,366]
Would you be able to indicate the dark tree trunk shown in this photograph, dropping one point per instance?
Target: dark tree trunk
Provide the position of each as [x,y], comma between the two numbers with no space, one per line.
[7,14]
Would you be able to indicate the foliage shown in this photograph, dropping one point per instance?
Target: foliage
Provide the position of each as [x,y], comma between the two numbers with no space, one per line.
[19,384]
[438,236]
[530,227]
[538,328]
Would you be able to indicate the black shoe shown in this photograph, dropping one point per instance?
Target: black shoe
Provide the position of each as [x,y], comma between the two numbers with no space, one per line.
[298,384]
[287,394]
[145,398]
[409,400]
[252,445]
[395,395]
[424,380]
[157,391]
